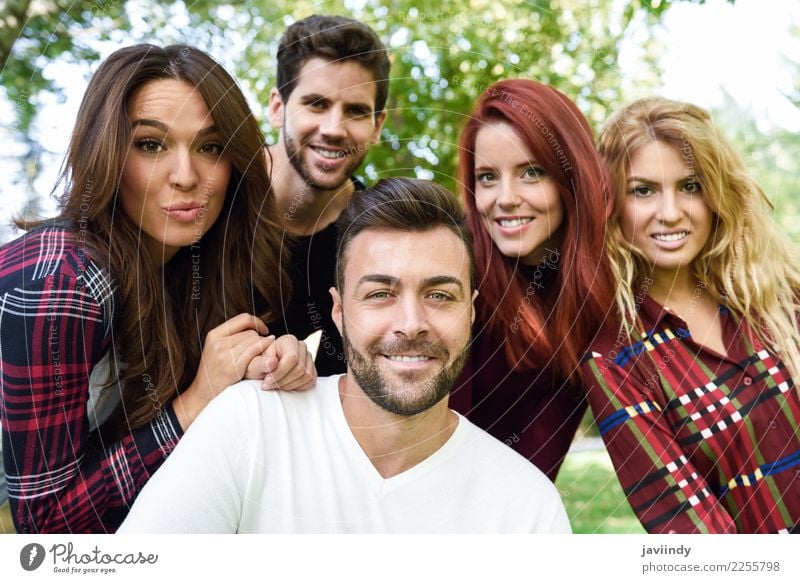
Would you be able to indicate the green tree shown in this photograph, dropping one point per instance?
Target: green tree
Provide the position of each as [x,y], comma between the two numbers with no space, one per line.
[772,156]
[441,57]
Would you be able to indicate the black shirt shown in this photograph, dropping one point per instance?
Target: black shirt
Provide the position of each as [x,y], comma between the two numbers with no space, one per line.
[312,269]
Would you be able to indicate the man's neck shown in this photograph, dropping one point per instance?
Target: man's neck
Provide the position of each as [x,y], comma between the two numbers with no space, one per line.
[394,443]
[303,208]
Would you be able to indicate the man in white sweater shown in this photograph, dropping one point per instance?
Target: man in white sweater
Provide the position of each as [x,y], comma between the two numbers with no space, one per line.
[376,449]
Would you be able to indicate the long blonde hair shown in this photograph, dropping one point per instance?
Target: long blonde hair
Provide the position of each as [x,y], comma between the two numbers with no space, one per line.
[749,263]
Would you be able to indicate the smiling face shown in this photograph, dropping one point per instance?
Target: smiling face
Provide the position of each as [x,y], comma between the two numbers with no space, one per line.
[665,215]
[174,176]
[329,122]
[518,201]
[405,314]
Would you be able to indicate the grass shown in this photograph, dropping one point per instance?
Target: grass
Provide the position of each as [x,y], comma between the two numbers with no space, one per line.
[6,524]
[593,497]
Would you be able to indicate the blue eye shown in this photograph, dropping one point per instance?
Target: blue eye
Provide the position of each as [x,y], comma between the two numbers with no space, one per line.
[440,296]
[534,172]
[378,295]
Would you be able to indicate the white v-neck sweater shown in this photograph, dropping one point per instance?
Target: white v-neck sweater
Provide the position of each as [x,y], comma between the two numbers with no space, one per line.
[277,462]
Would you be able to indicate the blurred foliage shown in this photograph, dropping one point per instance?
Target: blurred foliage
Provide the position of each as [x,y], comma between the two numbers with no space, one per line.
[772,156]
[442,57]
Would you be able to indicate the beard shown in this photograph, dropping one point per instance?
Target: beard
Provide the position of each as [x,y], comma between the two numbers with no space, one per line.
[407,397]
[329,181]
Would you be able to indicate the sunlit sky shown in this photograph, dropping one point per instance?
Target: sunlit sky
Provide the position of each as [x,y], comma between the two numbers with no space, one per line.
[745,50]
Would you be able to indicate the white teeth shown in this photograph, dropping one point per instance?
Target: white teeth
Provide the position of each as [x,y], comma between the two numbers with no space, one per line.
[513,222]
[671,236]
[329,154]
[408,358]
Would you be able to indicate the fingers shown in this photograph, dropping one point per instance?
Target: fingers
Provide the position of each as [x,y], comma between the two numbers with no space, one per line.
[239,324]
[249,352]
[295,368]
[311,375]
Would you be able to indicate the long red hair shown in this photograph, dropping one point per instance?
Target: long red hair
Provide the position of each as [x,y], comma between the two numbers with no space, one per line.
[539,333]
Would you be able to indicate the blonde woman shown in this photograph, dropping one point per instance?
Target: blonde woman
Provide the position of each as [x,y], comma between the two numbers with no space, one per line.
[692,388]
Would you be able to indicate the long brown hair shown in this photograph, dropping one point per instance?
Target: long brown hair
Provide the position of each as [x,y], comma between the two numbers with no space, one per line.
[540,333]
[164,313]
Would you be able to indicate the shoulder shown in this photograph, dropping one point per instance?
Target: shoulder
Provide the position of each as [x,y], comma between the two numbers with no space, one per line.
[51,252]
[493,458]
[609,339]
[248,398]
[615,348]
[504,479]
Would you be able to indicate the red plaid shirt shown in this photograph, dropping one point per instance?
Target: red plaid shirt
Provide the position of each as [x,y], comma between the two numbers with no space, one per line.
[701,442]
[56,315]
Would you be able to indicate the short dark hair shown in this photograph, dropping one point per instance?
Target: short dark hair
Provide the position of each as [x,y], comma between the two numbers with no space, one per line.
[334,38]
[403,204]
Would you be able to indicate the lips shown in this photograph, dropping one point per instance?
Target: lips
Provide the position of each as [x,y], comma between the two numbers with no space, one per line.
[513,222]
[670,237]
[405,352]
[407,358]
[185,211]
[331,154]
[184,206]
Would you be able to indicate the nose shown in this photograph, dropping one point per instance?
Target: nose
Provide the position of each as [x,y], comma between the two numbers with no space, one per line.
[506,197]
[670,210]
[332,124]
[183,175]
[411,318]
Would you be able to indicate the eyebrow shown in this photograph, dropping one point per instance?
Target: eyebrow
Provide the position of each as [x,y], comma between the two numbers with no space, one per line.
[527,164]
[378,278]
[645,180]
[311,97]
[428,282]
[316,97]
[153,123]
[444,280]
[649,181]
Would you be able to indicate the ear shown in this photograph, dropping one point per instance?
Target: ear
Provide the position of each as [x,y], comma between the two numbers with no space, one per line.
[472,306]
[275,109]
[376,134]
[336,311]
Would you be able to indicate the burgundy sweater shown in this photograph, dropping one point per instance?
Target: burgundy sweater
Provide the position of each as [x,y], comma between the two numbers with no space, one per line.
[527,409]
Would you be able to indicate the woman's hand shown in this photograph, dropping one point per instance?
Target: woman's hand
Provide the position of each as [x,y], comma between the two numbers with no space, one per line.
[227,352]
[286,365]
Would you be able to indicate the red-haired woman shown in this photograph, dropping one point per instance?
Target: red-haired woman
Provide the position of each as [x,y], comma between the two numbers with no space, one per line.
[536,194]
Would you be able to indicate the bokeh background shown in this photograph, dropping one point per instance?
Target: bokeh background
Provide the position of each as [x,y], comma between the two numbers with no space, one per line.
[740,59]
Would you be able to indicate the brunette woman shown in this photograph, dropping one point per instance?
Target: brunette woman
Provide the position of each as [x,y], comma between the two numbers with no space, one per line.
[122,318]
